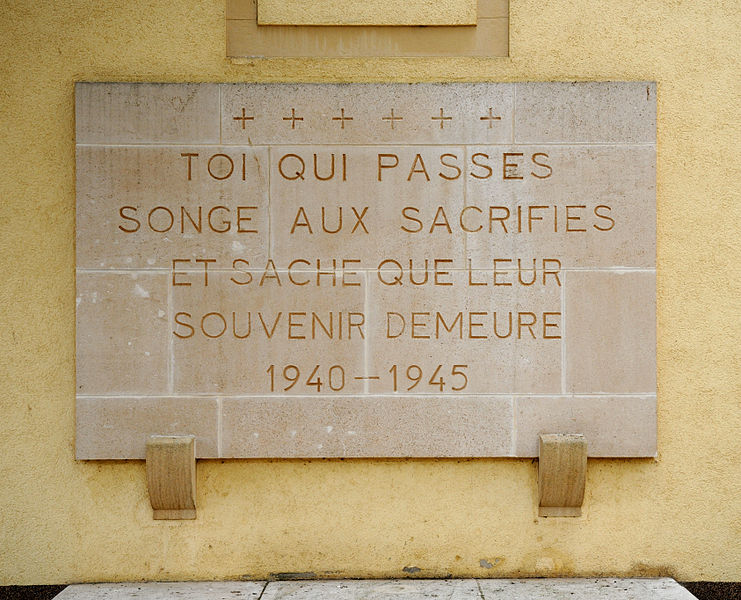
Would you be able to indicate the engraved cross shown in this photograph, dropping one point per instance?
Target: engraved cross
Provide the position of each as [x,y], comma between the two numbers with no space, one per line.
[342,118]
[293,118]
[244,118]
[392,118]
[442,118]
[491,118]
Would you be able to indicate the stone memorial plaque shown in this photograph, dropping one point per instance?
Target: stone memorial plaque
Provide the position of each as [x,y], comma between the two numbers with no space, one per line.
[366,270]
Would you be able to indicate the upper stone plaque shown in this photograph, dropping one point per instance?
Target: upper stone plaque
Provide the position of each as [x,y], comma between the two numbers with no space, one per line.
[345,28]
[351,12]
[297,270]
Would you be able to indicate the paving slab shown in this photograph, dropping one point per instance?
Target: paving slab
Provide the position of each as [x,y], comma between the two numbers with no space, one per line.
[180,590]
[583,589]
[404,589]
[394,589]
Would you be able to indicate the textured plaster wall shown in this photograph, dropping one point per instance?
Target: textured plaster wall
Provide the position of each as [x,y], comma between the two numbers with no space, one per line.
[65,521]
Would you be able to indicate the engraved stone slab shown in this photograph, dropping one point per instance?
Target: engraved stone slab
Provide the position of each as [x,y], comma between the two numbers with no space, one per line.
[353,114]
[160,213]
[359,270]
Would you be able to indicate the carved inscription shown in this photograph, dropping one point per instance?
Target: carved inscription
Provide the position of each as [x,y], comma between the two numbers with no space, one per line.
[348,241]
[395,320]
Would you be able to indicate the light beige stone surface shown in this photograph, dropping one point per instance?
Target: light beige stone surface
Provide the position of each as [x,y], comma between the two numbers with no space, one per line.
[416,113]
[182,590]
[585,112]
[135,113]
[663,588]
[610,332]
[350,12]
[462,589]
[591,206]
[139,207]
[387,426]
[122,333]
[256,326]
[385,233]
[383,589]
[495,333]
[115,428]
[303,335]
[612,425]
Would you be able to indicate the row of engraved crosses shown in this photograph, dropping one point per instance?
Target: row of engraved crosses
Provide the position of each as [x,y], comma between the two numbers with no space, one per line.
[442,118]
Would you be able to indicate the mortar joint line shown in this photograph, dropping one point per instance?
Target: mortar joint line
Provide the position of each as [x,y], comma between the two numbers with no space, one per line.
[514,106]
[465,203]
[171,348]
[269,207]
[513,437]
[219,427]
[264,587]
[563,334]
[370,144]
[481,593]
[366,339]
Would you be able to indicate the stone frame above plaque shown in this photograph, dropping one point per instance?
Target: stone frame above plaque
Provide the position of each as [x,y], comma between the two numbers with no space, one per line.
[366,270]
[369,31]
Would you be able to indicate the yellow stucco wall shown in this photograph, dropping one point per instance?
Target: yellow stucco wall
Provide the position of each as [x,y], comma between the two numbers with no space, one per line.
[680,515]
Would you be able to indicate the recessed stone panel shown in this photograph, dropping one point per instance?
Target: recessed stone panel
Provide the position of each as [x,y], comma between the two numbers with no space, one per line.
[391,12]
[486,9]
[246,38]
[300,270]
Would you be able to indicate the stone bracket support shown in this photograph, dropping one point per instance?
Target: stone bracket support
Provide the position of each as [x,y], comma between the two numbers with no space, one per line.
[562,470]
[171,476]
